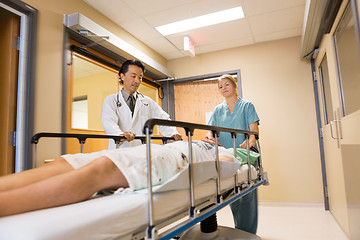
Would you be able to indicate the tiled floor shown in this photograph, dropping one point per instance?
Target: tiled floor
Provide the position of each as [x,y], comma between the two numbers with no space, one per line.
[283,221]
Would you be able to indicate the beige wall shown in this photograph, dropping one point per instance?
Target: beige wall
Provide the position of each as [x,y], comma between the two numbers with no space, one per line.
[49,73]
[280,86]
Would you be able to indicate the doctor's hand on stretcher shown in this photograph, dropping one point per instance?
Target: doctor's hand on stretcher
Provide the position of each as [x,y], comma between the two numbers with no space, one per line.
[128,135]
[131,136]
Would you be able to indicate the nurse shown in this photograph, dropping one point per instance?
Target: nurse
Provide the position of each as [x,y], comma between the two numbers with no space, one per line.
[237,113]
[125,112]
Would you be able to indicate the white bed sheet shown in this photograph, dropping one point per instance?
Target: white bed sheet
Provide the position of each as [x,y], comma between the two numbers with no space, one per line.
[108,217]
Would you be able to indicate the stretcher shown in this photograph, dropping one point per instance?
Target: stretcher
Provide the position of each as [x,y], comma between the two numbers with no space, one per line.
[152,213]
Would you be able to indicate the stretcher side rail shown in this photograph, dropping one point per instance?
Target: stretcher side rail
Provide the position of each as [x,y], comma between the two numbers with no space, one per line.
[83,137]
[194,216]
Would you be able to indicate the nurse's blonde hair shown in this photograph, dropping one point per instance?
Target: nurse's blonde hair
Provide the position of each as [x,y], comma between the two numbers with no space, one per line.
[232,80]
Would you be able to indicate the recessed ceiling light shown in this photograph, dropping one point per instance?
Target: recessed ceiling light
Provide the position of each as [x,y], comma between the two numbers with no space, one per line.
[202,21]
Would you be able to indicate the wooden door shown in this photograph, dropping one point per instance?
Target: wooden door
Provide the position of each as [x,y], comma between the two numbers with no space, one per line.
[195,100]
[9,33]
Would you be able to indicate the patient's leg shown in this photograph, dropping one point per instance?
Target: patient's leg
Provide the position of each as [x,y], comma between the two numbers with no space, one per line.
[56,167]
[70,187]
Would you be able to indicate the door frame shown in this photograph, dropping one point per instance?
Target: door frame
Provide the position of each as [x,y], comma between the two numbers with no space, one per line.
[168,86]
[320,135]
[26,82]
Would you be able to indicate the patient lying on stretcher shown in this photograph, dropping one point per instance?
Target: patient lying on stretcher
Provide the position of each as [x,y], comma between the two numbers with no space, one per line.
[76,177]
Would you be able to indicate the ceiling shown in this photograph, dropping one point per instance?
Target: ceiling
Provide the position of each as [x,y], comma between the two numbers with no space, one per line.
[265,20]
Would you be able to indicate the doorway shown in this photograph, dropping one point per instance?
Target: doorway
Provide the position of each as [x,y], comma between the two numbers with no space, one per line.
[194,98]
[18,65]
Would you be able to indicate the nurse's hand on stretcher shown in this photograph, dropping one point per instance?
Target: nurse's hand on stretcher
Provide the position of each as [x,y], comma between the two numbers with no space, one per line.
[128,135]
[252,142]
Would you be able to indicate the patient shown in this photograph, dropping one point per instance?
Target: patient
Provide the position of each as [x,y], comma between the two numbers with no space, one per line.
[74,178]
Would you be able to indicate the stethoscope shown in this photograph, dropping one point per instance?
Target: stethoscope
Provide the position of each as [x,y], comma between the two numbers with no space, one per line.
[118,103]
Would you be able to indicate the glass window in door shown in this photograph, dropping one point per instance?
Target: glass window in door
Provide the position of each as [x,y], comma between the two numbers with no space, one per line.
[327,107]
[349,64]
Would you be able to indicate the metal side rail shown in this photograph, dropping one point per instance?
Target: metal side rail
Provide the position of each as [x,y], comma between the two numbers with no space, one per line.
[83,137]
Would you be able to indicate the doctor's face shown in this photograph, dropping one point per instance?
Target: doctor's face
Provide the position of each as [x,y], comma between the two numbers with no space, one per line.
[132,78]
[227,88]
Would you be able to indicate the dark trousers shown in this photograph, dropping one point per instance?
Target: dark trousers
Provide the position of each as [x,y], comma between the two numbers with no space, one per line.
[245,212]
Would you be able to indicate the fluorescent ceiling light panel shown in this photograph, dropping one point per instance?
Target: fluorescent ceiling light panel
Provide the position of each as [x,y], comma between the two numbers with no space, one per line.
[202,21]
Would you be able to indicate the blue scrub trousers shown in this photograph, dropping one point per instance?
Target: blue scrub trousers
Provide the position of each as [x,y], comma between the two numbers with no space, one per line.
[245,212]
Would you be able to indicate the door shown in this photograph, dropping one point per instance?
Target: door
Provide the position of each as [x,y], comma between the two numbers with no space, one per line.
[329,108]
[339,72]
[347,46]
[9,32]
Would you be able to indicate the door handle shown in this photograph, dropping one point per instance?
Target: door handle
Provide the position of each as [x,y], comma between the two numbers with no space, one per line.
[331,129]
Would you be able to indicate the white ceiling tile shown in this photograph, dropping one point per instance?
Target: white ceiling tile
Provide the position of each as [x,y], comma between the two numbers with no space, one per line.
[140,29]
[278,35]
[276,21]
[116,10]
[161,45]
[144,8]
[212,34]
[259,7]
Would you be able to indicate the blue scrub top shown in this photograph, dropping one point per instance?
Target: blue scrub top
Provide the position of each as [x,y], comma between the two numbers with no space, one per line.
[242,116]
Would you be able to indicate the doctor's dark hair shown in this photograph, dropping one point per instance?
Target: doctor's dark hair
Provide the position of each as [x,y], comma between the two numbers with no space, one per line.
[125,67]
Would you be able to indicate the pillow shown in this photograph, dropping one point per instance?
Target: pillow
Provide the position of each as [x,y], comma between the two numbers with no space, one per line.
[202,171]
[241,155]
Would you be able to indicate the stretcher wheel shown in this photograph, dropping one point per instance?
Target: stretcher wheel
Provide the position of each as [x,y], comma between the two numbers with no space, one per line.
[222,233]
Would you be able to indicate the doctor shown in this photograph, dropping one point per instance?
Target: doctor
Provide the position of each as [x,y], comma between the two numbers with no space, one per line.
[125,112]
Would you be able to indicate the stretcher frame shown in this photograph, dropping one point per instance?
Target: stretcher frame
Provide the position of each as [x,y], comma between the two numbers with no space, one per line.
[194,215]
[211,205]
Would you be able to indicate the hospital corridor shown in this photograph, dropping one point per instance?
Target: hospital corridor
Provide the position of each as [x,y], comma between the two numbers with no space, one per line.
[296,221]
[186,119]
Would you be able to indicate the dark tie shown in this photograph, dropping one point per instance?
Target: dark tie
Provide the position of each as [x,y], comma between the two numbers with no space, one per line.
[132,103]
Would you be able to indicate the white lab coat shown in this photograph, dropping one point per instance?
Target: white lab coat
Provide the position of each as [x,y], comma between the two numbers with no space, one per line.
[117,120]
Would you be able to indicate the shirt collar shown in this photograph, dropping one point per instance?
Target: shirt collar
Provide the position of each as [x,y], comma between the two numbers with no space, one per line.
[126,95]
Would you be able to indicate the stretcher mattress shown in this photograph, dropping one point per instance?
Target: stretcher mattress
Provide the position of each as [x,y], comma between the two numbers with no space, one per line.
[115,216]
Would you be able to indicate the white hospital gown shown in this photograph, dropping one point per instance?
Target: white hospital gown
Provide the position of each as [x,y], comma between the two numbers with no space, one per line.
[167,160]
